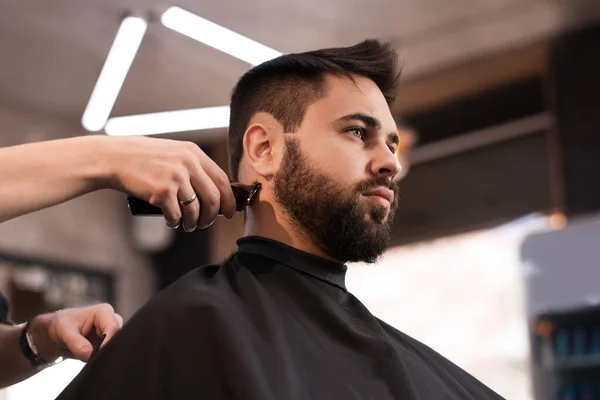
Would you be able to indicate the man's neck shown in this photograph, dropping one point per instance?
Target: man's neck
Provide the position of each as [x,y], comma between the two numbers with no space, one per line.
[263,220]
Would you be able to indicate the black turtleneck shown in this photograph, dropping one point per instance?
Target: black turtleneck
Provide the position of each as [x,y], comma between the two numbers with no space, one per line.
[269,323]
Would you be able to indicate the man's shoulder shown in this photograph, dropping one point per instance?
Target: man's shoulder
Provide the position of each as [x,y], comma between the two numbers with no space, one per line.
[420,353]
[203,288]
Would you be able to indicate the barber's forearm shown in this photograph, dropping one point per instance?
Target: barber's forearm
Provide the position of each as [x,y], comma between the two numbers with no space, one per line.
[14,367]
[39,175]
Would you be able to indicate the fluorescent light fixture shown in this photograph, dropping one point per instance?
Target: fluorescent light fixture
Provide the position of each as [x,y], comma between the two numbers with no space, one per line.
[216,36]
[199,29]
[169,121]
[115,69]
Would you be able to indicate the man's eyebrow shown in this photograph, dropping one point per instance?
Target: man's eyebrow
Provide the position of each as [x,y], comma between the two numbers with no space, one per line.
[370,121]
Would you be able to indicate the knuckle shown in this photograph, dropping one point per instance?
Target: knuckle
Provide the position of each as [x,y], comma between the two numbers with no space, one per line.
[59,318]
[161,194]
[192,209]
[163,190]
[213,198]
[175,217]
[191,147]
[106,308]
[179,175]
[189,158]
[222,180]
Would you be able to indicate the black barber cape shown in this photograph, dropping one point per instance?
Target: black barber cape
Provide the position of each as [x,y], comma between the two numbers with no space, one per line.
[270,323]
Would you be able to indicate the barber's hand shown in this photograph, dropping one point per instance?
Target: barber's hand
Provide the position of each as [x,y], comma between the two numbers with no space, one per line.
[166,172]
[74,332]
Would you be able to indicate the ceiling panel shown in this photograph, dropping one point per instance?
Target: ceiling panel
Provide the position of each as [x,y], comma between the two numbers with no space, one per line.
[52,52]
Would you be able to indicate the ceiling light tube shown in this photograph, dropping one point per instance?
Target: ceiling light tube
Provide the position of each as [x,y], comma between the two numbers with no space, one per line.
[216,36]
[115,69]
[169,121]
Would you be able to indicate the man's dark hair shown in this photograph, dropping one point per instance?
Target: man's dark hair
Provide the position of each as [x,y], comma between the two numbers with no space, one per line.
[285,86]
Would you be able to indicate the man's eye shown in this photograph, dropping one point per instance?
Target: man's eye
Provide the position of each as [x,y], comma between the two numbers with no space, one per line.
[358,132]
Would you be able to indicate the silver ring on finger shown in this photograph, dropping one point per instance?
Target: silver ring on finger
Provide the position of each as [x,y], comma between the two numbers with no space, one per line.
[189,201]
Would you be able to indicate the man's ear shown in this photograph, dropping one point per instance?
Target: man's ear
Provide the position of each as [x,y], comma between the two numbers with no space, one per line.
[263,145]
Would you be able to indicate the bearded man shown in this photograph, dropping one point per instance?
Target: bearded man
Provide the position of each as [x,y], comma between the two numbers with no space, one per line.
[274,321]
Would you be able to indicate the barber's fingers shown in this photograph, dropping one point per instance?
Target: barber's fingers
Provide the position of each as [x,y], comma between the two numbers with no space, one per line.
[172,212]
[165,198]
[223,186]
[76,343]
[104,321]
[209,199]
[190,206]
[197,175]
[170,202]
[73,328]
[119,320]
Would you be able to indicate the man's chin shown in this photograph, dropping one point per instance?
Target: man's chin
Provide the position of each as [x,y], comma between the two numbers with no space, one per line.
[376,213]
[378,216]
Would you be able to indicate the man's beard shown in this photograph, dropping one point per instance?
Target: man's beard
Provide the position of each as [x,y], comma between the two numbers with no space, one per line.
[332,217]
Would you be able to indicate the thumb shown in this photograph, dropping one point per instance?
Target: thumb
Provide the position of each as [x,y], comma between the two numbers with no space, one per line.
[77,344]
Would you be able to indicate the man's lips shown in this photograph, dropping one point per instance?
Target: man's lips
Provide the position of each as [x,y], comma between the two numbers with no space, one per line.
[381,195]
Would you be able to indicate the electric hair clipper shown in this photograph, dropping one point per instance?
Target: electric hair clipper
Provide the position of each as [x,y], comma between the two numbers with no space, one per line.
[243,195]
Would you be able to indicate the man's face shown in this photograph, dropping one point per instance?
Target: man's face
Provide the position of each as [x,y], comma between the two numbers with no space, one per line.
[335,180]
